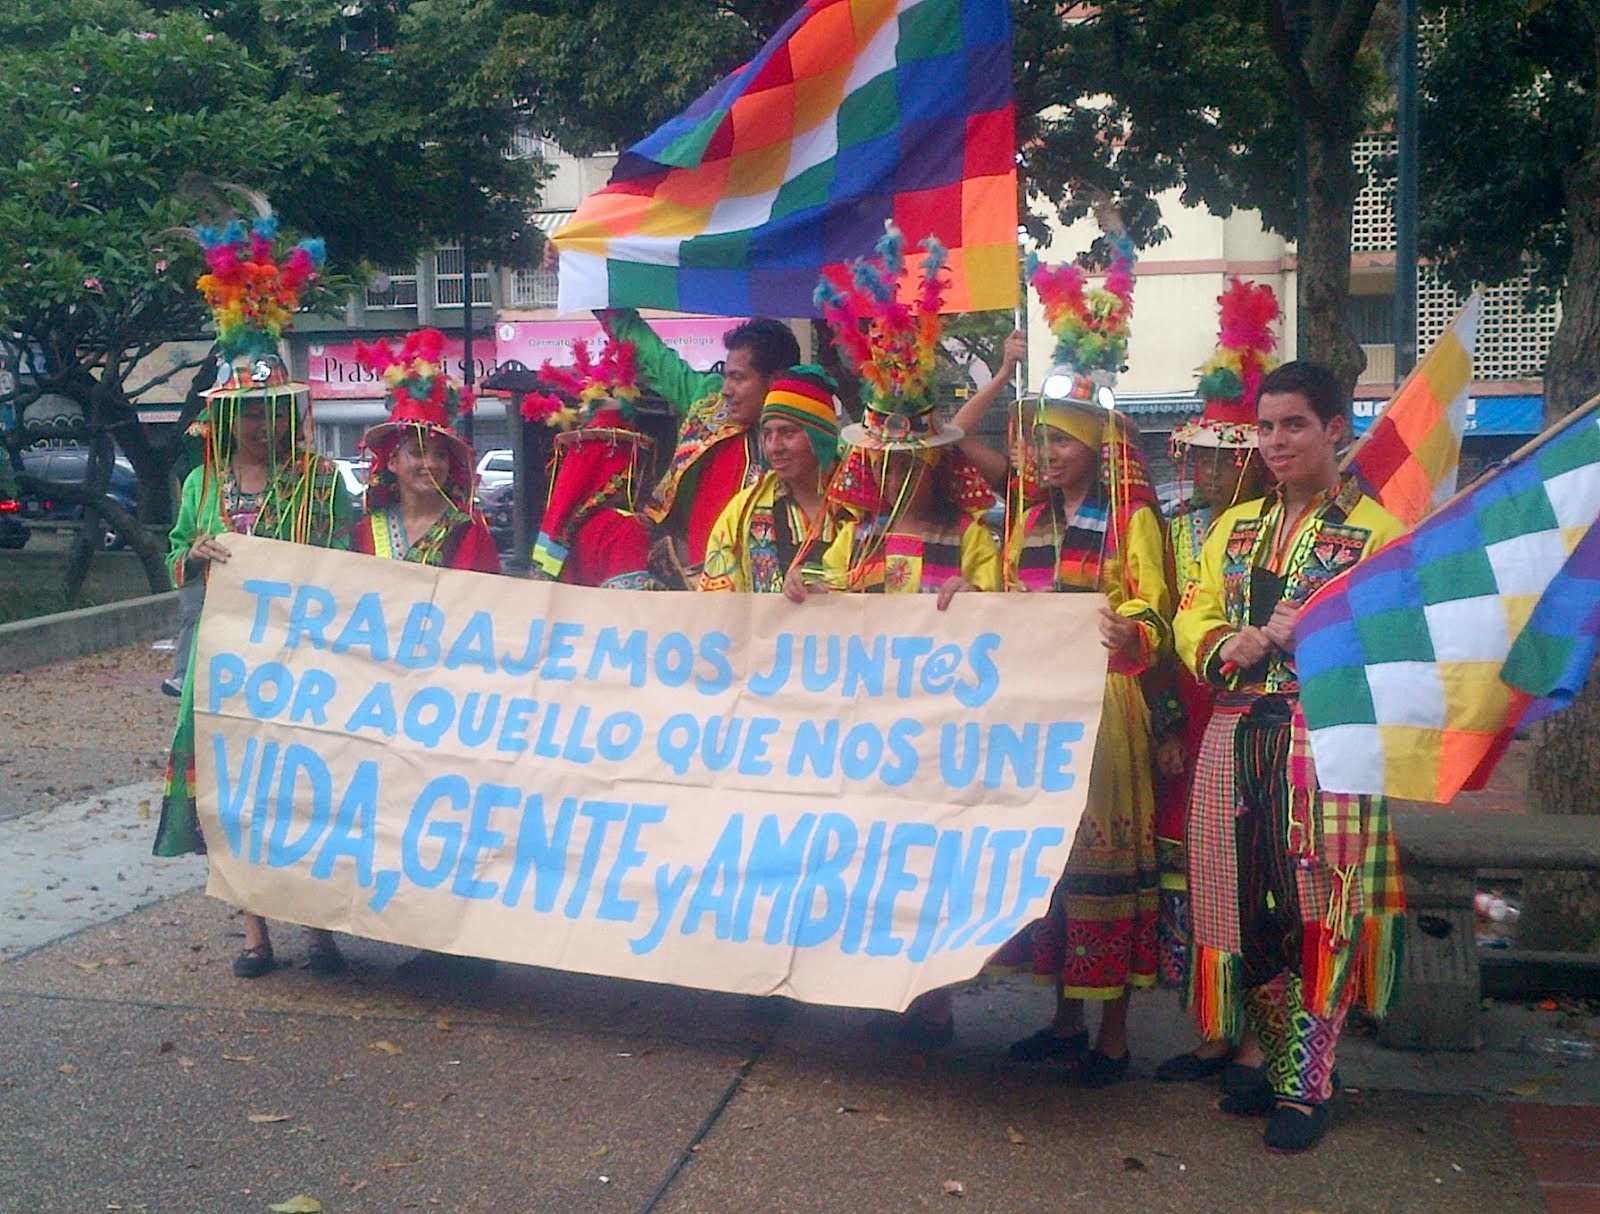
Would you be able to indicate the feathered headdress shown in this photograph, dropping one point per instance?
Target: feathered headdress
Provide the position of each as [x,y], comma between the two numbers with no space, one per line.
[423,400]
[1230,380]
[1090,324]
[251,294]
[892,345]
[415,378]
[609,383]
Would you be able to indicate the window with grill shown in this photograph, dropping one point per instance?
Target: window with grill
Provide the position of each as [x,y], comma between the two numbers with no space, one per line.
[394,287]
[447,279]
[533,289]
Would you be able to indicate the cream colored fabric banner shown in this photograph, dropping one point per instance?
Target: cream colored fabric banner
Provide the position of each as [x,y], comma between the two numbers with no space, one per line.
[850,801]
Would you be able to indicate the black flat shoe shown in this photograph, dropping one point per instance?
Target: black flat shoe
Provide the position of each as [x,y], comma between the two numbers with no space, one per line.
[253,962]
[1291,1130]
[325,958]
[1097,1070]
[1241,1080]
[1187,1068]
[1047,1044]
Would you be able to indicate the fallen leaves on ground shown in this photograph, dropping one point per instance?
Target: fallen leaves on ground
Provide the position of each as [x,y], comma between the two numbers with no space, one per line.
[268,1118]
[954,1188]
[300,1203]
[1016,1136]
[386,1047]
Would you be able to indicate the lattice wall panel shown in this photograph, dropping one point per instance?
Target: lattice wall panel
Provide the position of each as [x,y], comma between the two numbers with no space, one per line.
[1513,343]
[1372,217]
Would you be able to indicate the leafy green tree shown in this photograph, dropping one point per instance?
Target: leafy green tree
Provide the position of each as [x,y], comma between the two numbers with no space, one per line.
[108,108]
[376,126]
[1511,183]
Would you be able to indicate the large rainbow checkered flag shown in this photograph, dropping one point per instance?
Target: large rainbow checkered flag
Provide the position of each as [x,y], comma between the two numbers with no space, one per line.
[1408,458]
[856,112]
[1416,666]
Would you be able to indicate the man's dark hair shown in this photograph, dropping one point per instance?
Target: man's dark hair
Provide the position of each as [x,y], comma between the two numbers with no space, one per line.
[772,346]
[1314,381]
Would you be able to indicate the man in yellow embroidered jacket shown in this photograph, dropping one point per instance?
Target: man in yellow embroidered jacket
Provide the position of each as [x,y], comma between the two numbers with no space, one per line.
[718,452]
[783,516]
[1295,897]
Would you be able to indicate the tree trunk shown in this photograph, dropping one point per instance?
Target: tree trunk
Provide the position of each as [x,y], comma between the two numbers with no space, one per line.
[1562,910]
[1323,255]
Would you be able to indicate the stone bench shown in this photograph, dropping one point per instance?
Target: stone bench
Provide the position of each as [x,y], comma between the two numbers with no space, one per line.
[1441,855]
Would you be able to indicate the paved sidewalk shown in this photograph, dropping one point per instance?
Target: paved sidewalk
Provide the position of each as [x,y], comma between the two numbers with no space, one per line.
[138,1074]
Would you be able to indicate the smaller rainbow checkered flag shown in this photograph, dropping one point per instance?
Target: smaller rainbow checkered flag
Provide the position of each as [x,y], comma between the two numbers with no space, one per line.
[1417,665]
[1408,459]
[855,113]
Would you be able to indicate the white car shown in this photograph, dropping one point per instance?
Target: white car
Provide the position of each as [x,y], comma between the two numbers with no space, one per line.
[496,468]
[354,475]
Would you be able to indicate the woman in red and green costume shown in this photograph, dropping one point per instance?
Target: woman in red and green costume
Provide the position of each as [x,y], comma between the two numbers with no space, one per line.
[591,533]
[259,477]
[915,498]
[419,493]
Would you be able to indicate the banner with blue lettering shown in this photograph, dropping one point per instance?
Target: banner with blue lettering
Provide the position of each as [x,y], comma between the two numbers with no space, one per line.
[849,801]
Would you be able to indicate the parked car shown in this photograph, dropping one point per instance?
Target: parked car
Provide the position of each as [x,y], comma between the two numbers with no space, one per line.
[495,501]
[13,531]
[495,468]
[70,466]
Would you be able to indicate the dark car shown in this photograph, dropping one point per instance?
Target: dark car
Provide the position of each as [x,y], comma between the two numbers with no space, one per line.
[70,465]
[13,531]
[496,502]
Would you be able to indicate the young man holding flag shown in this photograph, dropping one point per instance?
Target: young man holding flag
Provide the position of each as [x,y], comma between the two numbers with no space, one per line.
[1295,895]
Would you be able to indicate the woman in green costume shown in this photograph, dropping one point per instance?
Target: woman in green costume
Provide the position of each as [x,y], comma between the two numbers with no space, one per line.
[259,477]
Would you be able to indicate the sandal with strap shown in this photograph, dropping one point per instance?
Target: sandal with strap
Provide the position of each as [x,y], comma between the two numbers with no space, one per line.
[253,962]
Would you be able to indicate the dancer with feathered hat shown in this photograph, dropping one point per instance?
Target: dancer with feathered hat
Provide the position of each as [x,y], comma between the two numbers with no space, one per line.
[419,491]
[259,477]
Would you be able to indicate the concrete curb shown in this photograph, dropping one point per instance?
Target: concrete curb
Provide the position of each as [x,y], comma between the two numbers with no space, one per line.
[72,634]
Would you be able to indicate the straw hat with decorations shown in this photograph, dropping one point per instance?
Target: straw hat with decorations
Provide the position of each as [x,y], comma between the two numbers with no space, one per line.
[1230,380]
[892,346]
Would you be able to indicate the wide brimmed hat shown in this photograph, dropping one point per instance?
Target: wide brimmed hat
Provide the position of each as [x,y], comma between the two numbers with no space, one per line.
[892,345]
[900,432]
[424,401]
[1230,380]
